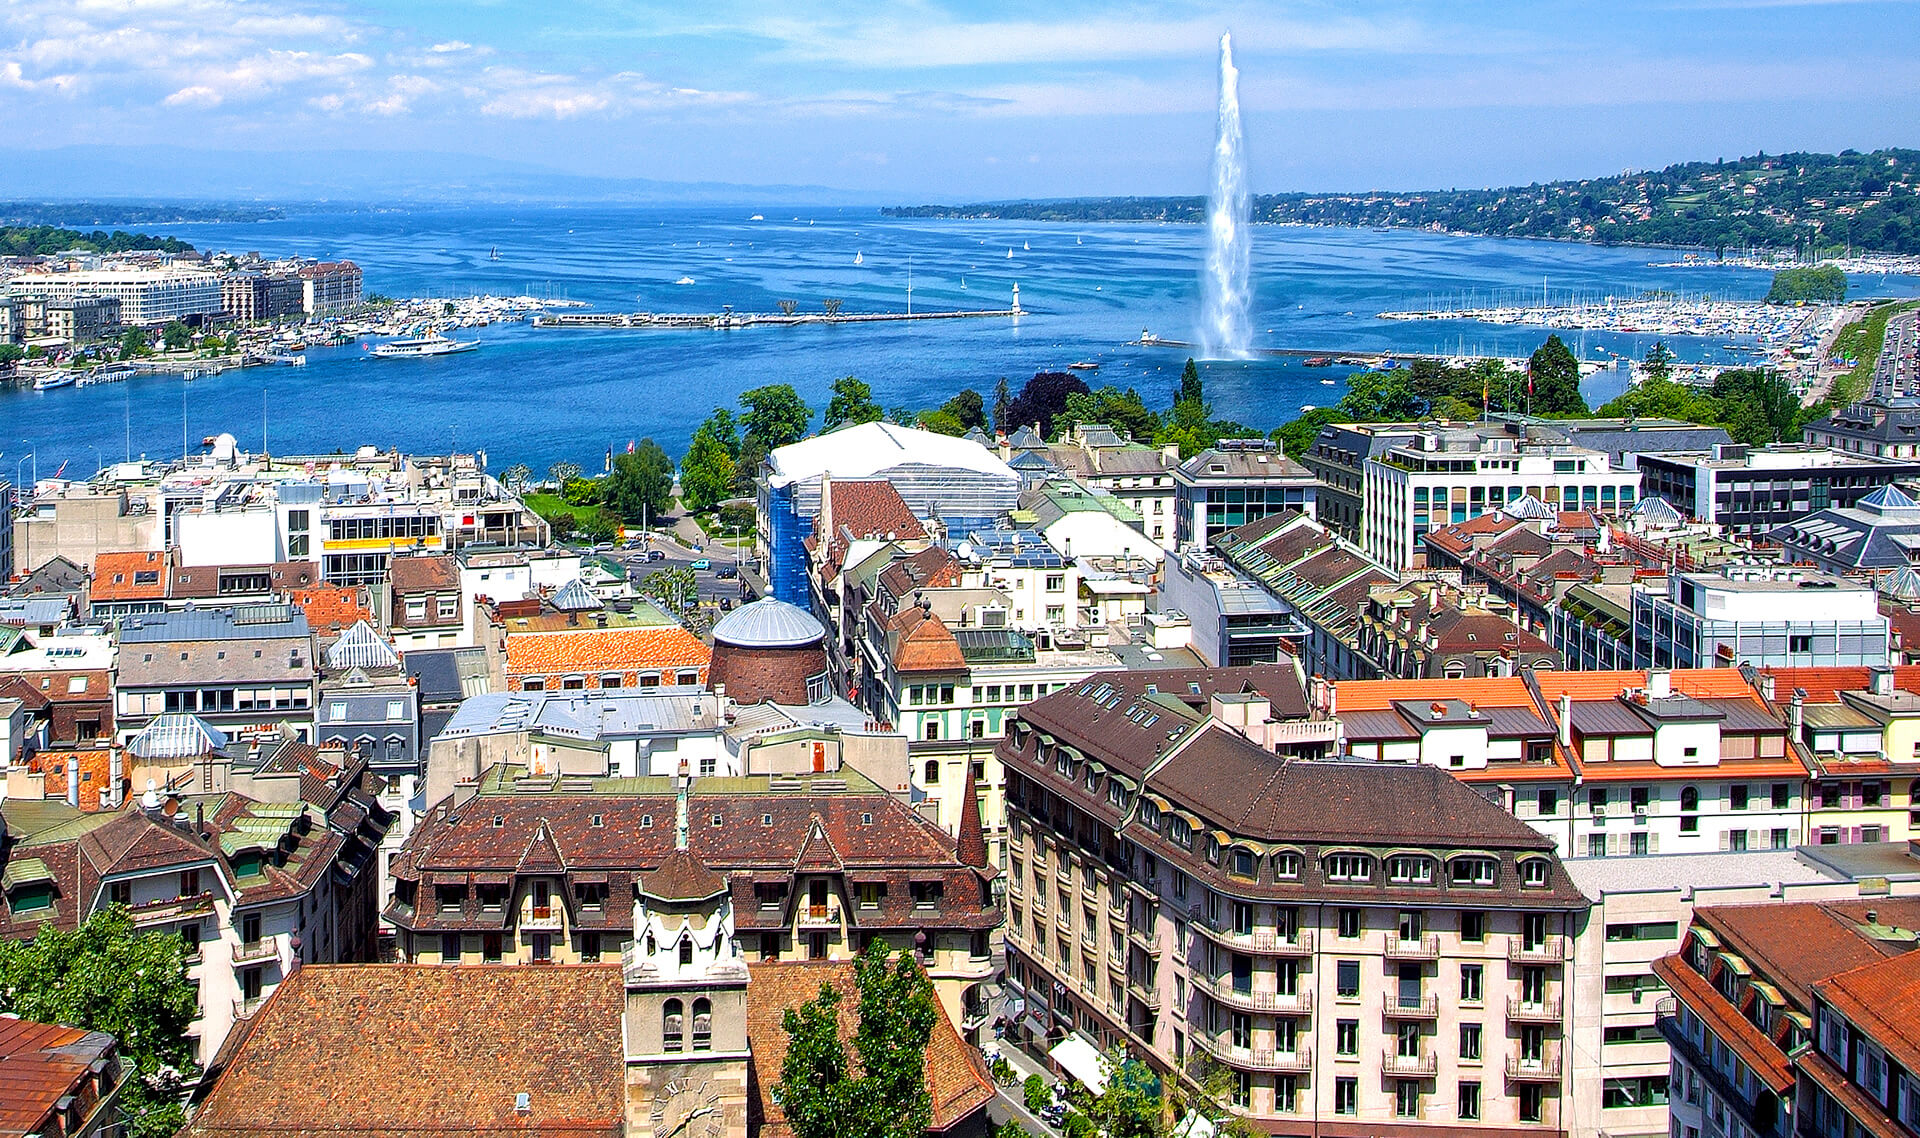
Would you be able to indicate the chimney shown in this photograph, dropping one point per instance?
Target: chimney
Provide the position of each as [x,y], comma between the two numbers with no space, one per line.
[1797,710]
[826,508]
[1766,686]
[1882,681]
[1566,719]
[117,767]
[73,781]
[1659,683]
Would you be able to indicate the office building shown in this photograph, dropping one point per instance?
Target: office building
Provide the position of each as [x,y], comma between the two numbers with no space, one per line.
[147,297]
[1754,490]
[1235,482]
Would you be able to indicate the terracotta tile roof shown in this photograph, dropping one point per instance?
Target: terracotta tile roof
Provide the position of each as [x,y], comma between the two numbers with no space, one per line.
[96,774]
[931,568]
[450,1046]
[40,1064]
[197,581]
[1754,1047]
[1824,685]
[1883,1001]
[871,508]
[587,650]
[1700,683]
[423,574]
[1795,946]
[921,642]
[332,609]
[18,687]
[130,576]
[1381,695]
[957,1082]
[1866,1113]
[1109,713]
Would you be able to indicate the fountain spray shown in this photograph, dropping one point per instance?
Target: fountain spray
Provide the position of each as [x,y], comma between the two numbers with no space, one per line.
[1226,288]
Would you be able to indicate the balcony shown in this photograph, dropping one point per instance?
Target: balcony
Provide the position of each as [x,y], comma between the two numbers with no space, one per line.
[1520,1010]
[1145,993]
[1222,989]
[1545,1069]
[1426,948]
[247,952]
[1299,1060]
[1410,1066]
[244,1008]
[1258,940]
[1148,938]
[1426,1007]
[1552,950]
[828,915]
[542,917]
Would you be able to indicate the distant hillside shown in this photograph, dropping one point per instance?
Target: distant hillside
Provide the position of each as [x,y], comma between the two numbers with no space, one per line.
[40,240]
[1785,201]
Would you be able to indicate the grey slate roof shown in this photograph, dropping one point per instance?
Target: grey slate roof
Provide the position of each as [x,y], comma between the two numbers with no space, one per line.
[240,622]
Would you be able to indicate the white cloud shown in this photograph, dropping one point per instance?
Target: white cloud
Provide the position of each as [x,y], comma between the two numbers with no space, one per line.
[451,45]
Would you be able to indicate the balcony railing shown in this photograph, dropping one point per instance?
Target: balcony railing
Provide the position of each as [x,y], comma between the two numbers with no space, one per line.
[1300,1059]
[1425,948]
[815,916]
[1545,1069]
[541,917]
[1551,950]
[1425,1007]
[1222,989]
[243,1008]
[246,952]
[1147,938]
[1416,1066]
[1523,1010]
[1147,994]
[1256,940]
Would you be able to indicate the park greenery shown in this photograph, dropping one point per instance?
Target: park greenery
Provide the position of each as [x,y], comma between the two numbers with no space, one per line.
[1808,284]
[108,976]
[44,240]
[880,1091]
[1812,203]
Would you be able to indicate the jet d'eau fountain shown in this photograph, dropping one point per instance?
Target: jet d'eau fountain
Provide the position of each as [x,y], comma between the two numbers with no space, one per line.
[1226,289]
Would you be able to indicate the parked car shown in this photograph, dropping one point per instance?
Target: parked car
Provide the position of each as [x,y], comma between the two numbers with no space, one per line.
[703,563]
[727,573]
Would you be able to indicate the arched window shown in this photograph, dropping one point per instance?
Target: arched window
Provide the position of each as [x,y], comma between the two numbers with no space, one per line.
[702,1025]
[1689,798]
[672,1026]
[933,772]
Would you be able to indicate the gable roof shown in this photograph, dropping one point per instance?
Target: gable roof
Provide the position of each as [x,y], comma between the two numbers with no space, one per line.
[423,573]
[117,576]
[871,508]
[604,650]
[450,1048]
[40,1065]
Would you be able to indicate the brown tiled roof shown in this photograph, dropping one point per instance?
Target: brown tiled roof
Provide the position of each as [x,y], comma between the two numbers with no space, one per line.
[920,642]
[1754,1047]
[332,609]
[1824,685]
[1108,712]
[931,568]
[1883,1001]
[449,1046]
[1795,946]
[587,650]
[197,581]
[682,877]
[423,574]
[40,1064]
[115,576]
[871,508]
[96,773]
[957,1082]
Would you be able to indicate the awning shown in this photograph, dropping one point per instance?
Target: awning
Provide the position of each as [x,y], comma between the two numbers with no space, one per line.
[1033,1025]
[1080,1059]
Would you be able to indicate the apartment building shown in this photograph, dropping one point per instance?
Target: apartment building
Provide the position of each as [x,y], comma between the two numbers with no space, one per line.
[424,603]
[1362,945]
[524,869]
[1754,490]
[1767,1032]
[329,286]
[1883,426]
[147,297]
[1098,457]
[1320,578]
[249,668]
[261,860]
[1859,731]
[1234,482]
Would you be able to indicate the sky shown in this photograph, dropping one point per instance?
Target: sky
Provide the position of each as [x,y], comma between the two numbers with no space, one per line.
[934,101]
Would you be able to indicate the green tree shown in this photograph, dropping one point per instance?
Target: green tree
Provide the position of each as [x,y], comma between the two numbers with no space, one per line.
[1555,376]
[581,491]
[1381,397]
[969,408]
[1124,411]
[1036,1094]
[600,526]
[1296,437]
[941,422]
[108,976]
[821,1092]
[517,476]
[562,526]
[176,335]
[775,416]
[1190,386]
[724,430]
[1134,1105]
[1760,406]
[1659,362]
[1810,284]
[1002,406]
[852,403]
[706,473]
[563,472]
[641,485]
[676,587]
[133,342]
[11,354]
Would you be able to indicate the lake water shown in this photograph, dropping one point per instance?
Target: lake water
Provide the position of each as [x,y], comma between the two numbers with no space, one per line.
[539,396]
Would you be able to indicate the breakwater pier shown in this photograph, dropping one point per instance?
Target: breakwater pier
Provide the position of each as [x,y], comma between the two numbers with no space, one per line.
[728,318]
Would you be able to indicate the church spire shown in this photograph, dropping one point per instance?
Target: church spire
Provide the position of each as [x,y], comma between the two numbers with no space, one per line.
[972,838]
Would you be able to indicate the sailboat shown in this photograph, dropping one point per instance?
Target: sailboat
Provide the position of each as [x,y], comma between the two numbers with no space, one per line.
[1077,241]
[963,284]
[1009,252]
[495,254]
[859,258]
[1026,247]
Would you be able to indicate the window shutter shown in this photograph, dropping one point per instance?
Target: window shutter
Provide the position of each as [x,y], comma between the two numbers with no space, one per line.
[1724,843]
[1653,841]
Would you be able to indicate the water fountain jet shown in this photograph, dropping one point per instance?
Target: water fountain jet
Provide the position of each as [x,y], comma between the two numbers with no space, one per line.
[1226,289]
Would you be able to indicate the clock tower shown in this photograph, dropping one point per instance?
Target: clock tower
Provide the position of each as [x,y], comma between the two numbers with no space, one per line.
[686,1016]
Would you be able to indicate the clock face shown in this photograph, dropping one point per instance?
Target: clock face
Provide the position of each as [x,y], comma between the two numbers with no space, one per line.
[688,1107]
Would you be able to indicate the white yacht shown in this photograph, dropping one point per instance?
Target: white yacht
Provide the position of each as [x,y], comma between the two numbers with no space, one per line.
[431,344]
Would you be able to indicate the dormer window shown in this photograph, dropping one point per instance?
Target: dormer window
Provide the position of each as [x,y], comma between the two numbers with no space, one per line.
[1349,867]
[1476,872]
[686,950]
[1407,869]
[1534,873]
[1286,866]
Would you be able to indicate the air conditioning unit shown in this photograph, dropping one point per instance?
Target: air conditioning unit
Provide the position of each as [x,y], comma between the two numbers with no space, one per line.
[1640,816]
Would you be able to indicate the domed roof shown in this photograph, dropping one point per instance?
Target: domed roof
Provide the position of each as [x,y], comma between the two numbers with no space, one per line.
[769,623]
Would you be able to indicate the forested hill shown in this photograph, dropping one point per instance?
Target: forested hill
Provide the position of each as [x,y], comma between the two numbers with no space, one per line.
[1782,201]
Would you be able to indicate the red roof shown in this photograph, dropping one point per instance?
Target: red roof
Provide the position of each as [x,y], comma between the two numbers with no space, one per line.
[1824,685]
[39,1066]
[130,576]
[1379,695]
[332,609]
[872,508]
[1883,1001]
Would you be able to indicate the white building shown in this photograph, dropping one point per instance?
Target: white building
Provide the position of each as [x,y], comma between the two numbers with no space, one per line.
[1766,616]
[147,296]
[1444,475]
